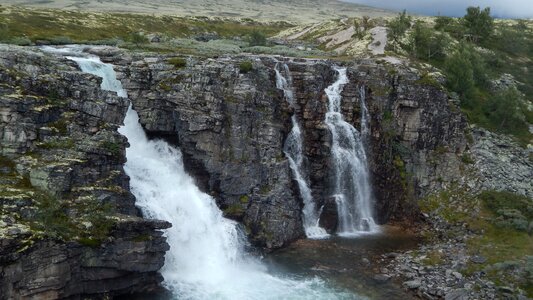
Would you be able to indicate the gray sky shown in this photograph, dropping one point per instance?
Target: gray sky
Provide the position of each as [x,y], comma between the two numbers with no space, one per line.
[499,8]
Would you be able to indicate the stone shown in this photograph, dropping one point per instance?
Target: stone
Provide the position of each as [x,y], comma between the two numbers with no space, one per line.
[478,259]
[381,277]
[459,294]
[412,284]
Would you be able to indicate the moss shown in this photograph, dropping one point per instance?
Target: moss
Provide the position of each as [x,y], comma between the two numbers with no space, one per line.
[265,189]
[433,258]
[65,143]
[7,163]
[61,126]
[428,80]
[244,199]
[165,87]
[142,238]
[177,62]
[112,147]
[245,66]
[467,159]
[235,210]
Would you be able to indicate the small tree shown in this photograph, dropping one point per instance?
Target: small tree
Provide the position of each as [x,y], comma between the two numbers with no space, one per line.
[257,38]
[504,110]
[398,26]
[479,23]
[138,38]
[459,74]
[425,43]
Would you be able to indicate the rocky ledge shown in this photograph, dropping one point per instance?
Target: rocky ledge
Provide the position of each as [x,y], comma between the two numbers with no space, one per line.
[68,224]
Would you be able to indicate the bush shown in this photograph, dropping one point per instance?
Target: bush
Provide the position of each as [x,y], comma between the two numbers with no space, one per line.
[137,38]
[257,38]
[21,41]
[61,40]
[177,62]
[505,110]
[245,66]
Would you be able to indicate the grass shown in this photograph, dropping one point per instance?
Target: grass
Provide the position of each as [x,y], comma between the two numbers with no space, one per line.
[177,62]
[507,248]
[62,26]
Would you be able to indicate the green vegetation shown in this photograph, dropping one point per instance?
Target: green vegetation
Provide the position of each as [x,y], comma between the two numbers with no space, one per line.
[113,147]
[257,38]
[398,27]
[472,52]
[85,221]
[62,26]
[478,23]
[245,66]
[177,62]
[499,221]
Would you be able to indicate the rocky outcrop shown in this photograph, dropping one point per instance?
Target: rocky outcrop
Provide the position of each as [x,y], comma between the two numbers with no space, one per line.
[230,122]
[501,163]
[68,224]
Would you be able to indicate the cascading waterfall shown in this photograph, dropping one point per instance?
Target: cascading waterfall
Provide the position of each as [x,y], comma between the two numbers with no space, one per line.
[352,189]
[206,259]
[293,149]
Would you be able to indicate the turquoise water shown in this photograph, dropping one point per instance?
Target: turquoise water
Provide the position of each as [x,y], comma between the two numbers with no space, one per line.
[455,8]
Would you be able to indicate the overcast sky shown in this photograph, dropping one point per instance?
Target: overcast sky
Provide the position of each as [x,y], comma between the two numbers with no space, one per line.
[456,8]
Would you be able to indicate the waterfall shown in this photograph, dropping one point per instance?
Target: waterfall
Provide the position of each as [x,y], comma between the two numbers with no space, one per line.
[352,191]
[293,149]
[206,259]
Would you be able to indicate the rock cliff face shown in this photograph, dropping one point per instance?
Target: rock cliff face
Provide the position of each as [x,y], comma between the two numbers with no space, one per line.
[231,123]
[68,224]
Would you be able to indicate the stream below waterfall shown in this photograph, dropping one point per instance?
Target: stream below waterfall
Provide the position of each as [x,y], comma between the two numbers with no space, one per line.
[207,257]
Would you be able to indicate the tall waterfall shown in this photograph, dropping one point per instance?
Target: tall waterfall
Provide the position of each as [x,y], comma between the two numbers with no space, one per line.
[293,149]
[206,259]
[352,191]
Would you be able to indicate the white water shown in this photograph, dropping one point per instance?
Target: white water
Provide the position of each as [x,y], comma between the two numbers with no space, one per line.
[206,258]
[293,150]
[352,191]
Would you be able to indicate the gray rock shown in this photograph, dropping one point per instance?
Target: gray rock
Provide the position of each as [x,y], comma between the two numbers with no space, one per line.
[412,284]
[459,294]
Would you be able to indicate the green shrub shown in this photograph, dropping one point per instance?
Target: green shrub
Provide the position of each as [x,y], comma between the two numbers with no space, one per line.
[177,62]
[245,66]
[257,38]
[61,40]
[112,147]
[137,38]
[20,41]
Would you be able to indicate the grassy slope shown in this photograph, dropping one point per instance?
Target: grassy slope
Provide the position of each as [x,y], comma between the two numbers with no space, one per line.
[300,11]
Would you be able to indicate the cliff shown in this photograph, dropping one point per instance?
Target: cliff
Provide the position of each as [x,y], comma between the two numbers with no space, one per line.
[68,224]
[231,122]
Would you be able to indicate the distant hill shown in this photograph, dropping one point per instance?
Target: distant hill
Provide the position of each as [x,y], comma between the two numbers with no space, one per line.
[300,11]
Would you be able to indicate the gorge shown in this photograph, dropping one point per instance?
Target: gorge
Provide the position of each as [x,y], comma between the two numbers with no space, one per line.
[225,159]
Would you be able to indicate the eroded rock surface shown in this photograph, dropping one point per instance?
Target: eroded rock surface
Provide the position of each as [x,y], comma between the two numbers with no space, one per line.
[68,224]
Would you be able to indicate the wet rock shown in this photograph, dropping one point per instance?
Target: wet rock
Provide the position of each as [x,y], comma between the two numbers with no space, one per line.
[381,277]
